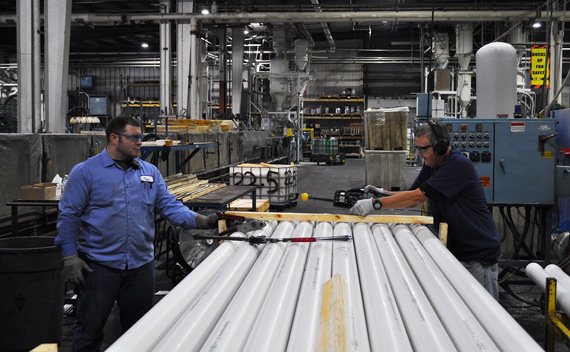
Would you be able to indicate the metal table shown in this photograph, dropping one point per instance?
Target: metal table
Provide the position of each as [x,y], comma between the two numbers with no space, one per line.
[54,202]
[221,198]
[147,150]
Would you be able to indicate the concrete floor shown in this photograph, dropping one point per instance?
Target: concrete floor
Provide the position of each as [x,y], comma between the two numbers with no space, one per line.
[322,181]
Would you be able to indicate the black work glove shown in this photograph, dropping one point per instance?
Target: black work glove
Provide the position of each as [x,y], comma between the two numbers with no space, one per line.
[73,268]
[207,222]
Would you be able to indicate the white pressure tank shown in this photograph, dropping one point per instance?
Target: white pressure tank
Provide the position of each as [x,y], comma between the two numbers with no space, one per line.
[496,80]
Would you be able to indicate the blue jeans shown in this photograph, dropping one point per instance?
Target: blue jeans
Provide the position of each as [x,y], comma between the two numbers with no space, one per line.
[486,274]
[132,289]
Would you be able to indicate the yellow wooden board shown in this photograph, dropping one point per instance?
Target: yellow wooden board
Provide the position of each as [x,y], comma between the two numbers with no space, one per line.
[397,219]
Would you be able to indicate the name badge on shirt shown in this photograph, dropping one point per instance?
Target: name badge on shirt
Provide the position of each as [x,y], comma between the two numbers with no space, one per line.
[147,179]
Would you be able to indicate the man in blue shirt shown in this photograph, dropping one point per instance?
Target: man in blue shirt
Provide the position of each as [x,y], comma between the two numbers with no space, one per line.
[450,183]
[106,232]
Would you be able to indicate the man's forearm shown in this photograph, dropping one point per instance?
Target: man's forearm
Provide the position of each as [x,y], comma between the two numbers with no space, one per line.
[403,199]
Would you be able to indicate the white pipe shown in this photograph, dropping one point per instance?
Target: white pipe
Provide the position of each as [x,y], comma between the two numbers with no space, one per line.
[305,329]
[424,327]
[414,16]
[194,326]
[271,329]
[386,329]
[235,324]
[507,334]
[539,275]
[561,277]
[462,326]
[344,263]
[148,331]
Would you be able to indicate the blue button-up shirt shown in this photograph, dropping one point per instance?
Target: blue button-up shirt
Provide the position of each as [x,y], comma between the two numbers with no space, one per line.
[108,213]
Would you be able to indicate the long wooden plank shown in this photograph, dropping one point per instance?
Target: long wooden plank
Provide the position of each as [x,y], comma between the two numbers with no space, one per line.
[398,219]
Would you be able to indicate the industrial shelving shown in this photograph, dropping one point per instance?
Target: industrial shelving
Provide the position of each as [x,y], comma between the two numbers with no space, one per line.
[339,117]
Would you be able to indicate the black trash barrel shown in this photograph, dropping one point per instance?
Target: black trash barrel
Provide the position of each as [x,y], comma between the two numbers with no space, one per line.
[31,292]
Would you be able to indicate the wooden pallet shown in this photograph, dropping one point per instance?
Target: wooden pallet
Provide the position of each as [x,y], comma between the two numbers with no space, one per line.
[261,205]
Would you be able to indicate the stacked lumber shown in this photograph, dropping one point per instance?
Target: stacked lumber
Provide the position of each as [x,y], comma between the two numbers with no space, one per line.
[197,126]
[186,187]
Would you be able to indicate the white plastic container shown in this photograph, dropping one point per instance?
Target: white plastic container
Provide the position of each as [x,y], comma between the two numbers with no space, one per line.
[278,184]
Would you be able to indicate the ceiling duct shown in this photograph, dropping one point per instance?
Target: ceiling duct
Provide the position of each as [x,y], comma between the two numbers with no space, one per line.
[440,49]
[326,30]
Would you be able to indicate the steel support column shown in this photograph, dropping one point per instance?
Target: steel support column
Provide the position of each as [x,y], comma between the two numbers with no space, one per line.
[58,30]
[183,56]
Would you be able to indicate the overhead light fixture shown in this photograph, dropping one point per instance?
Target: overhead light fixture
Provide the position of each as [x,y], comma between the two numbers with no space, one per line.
[144,45]
[205,11]
[536,25]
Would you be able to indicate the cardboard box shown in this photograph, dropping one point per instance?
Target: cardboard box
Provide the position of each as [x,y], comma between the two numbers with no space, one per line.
[39,191]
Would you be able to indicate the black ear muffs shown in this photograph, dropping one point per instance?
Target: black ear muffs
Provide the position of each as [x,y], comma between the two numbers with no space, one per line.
[440,147]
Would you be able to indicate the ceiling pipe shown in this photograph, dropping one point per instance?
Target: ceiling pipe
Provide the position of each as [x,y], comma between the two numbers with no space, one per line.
[317,17]
[326,29]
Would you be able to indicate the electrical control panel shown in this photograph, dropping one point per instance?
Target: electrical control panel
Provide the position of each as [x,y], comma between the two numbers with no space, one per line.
[515,158]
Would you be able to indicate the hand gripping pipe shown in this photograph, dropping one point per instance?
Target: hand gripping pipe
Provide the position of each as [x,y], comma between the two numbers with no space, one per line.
[194,326]
[235,324]
[344,263]
[424,328]
[462,326]
[147,332]
[507,334]
[305,328]
[273,324]
[386,329]
[539,275]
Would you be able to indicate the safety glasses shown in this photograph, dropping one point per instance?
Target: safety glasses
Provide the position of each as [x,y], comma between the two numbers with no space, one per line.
[131,137]
[423,149]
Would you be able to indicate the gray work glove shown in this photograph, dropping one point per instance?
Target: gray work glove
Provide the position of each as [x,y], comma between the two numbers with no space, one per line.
[73,267]
[370,190]
[362,208]
[207,222]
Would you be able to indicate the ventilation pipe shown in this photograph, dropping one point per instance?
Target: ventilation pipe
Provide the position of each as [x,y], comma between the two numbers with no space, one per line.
[463,53]
[279,83]
[326,30]
[165,60]
[237,68]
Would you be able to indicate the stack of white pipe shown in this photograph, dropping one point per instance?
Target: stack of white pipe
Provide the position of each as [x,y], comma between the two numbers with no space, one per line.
[539,275]
[404,291]
[305,328]
[344,263]
[235,324]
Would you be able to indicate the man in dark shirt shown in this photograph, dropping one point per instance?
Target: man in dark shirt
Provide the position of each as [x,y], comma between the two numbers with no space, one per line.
[450,183]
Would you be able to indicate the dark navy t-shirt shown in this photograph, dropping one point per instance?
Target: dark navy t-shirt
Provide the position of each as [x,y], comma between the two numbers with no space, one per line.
[456,197]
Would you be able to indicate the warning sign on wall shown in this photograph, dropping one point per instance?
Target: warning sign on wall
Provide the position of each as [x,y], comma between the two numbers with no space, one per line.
[538,66]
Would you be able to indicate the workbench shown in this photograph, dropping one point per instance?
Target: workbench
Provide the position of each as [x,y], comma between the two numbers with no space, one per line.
[147,150]
[48,203]
[221,198]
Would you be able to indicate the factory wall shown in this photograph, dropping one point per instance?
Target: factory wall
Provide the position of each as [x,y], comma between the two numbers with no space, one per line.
[33,158]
